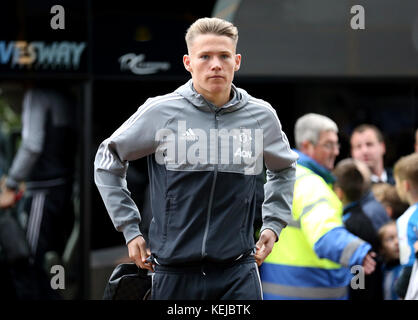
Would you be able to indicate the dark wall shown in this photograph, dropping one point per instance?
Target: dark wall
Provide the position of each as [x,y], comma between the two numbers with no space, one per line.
[389,104]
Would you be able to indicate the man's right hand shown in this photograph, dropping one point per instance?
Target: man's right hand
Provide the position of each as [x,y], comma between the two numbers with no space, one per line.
[138,253]
[7,198]
[264,245]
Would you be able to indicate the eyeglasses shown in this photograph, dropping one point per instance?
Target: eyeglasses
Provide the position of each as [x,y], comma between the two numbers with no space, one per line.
[330,145]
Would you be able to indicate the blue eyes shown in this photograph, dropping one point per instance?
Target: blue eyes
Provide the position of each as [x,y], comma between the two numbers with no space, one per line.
[205,57]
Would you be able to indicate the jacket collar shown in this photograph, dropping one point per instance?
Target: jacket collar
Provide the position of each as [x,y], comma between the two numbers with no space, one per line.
[313,165]
[239,98]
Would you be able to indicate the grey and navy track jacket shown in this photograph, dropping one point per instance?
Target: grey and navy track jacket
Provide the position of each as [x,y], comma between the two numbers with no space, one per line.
[203,162]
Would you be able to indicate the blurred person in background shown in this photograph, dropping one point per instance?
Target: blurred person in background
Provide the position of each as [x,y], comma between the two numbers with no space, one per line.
[45,162]
[10,127]
[406,177]
[312,257]
[389,251]
[367,145]
[387,195]
[351,186]
[416,141]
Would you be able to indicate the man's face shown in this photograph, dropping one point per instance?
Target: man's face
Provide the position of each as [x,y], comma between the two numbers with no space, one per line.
[212,62]
[327,149]
[366,147]
[390,243]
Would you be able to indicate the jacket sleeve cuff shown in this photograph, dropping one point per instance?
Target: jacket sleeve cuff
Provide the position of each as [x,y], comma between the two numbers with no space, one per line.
[131,231]
[359,254]
[11,183]
[276,229]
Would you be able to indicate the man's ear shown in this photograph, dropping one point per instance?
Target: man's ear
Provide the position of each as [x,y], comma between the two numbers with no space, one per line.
[339,192]
[237,62]
[383,147]
[406,185]
[389,211]
[186,62]
[307,148]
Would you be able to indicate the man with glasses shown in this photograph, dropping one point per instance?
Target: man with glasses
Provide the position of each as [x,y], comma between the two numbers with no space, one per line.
[312,258]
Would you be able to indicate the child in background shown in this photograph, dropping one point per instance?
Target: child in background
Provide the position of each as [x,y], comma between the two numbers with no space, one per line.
[389,251]
[386,194]
[352,186]
[406,177]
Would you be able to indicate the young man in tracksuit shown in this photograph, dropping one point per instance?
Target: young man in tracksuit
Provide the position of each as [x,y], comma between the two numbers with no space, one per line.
[204,144]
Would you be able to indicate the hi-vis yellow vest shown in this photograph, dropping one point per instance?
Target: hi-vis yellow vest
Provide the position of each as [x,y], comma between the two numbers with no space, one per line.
[293,270]
[295,245]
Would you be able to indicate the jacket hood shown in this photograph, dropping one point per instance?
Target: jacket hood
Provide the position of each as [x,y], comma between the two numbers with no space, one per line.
[239,99]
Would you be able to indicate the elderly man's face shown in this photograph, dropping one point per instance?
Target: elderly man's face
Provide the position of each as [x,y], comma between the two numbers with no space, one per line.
[327,149]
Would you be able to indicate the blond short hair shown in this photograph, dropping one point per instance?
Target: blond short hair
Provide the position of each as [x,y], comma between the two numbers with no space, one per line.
[406,168]
[211,26]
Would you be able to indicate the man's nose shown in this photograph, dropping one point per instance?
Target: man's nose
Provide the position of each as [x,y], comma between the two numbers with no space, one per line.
[336,150]
[363,148]
[216,64]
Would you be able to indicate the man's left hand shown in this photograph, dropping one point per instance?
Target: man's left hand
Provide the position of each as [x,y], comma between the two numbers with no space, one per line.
[264,245]
[369,264]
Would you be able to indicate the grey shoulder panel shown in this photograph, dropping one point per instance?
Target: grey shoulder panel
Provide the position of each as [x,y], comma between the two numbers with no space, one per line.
[133,140]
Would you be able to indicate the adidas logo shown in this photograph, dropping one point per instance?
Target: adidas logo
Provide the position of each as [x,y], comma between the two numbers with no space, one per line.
[189,135]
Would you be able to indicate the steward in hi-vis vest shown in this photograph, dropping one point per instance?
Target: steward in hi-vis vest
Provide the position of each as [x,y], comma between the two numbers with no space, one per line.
[312,258]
